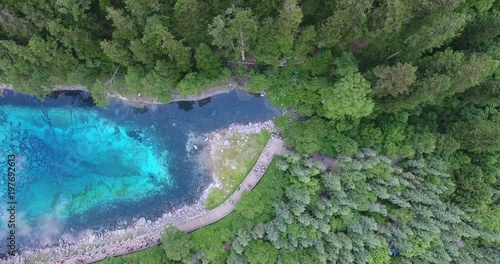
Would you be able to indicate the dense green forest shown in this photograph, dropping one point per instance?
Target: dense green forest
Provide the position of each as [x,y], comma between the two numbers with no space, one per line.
[405,94]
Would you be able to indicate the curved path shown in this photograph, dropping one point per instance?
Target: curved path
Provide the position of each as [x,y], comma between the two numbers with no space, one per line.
[274,146]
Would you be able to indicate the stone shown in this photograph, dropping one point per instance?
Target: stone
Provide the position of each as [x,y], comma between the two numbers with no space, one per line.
[195,147]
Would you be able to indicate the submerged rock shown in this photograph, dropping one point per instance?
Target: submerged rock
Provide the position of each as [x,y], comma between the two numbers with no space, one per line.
[16,143]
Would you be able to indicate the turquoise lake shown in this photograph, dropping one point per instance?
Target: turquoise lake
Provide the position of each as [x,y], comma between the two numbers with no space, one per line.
[79,166]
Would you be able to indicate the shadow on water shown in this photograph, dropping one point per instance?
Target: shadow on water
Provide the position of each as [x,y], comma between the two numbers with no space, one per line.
[189,105]
[185,105]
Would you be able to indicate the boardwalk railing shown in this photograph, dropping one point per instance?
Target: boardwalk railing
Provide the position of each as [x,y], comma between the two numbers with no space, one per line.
[274,146]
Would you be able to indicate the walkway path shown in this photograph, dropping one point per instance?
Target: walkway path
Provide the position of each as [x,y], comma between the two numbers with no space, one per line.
[274,146]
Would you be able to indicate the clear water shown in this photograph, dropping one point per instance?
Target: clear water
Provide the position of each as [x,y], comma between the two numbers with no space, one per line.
[79,166]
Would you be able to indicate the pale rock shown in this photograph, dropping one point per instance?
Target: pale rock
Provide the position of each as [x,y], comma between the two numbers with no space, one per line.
[141,222]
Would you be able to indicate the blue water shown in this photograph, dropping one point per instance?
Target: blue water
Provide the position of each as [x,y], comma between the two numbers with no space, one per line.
[79,166]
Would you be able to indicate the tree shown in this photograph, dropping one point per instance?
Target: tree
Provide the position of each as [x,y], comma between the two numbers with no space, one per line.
[276,36]
[177,246]
[191,19]
[124,26]
[446,144]
[307,137]
[483,137]
[345,65]
[207,62]
[346,23]
[394,80]
[347,98]
[473,187]
[142,9]
[116,52]
[14,26]
[260,252]
[319,64]
[157,35]
[80,40]
[433,32]
[304,43]
[264,8]
[236,29]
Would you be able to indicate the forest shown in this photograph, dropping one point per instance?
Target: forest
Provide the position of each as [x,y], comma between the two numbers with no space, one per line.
[403,94]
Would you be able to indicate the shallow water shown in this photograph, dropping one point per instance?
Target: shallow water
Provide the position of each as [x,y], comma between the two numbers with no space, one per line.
[79,166]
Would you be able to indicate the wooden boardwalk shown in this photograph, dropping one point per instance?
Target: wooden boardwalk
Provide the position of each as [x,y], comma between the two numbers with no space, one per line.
[274,146]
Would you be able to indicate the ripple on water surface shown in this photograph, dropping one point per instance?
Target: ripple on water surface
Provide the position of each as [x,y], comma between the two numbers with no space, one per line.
[79,166]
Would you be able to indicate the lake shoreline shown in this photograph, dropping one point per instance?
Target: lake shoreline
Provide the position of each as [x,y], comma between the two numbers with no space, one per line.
[86,242]
[142,101]
[209,149]
[113,240]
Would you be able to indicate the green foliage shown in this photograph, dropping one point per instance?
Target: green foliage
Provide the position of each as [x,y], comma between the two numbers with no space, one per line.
[417,81]
[175,245]
[153,255]
[191,83]
[258,82]
[207,62]
[446,144]
[380,256]
[347,98]
[345,65]
[434,31]
[394,80]
[319,64]
[260,252]
[489,218]
[307,136]
[237,29]
[311,226]
[347,22]
[190,20]
[156,33]
[474,187]
[483,137]
[276,35]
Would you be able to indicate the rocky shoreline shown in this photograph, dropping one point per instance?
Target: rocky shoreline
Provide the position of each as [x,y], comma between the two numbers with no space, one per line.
[139,101]
[91,245]
[204,148]
[90,241]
